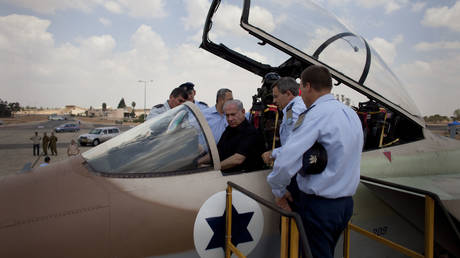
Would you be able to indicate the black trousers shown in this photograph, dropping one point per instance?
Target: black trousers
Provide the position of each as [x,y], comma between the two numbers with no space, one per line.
[37,148]
[324,220]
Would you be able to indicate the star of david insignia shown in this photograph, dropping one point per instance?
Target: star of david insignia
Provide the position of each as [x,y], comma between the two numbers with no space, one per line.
[313,159]
[240,233]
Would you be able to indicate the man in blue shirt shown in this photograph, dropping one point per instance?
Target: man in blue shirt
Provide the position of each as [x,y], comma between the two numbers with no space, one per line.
[215,114]
[325,203]
[177,97]
[286,97]
[190,88]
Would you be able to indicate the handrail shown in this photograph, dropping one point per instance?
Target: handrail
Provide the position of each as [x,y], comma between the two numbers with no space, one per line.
[430,200]
[295,218]
[433,196]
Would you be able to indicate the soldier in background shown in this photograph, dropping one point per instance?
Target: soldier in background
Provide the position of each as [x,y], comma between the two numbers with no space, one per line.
[189,87]
[177,97]
[53,140]
[45,143]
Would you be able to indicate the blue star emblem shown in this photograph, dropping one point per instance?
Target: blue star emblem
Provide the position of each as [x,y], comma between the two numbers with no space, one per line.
[240,233]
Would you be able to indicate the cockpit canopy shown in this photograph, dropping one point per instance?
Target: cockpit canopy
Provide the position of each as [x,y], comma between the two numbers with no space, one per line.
[170,142]
[287,36]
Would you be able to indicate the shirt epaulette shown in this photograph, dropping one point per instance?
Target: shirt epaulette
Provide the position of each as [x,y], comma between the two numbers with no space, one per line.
[203,103]
[301,117]
[289,111]
[158,106]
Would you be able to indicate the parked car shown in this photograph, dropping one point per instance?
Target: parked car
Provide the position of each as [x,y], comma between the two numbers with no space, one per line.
[56,117]
[67,128]
[98,135]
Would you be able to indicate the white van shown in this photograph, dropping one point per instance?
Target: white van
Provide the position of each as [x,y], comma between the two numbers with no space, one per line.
[98,135]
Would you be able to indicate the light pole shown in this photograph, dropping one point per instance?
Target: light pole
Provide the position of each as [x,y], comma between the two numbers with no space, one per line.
[145,93]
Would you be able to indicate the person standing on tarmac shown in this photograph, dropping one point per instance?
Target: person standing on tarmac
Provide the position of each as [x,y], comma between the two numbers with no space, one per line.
[45,143]
[189,87]
[177,97]
[53,140]
[325,201]
[36,143]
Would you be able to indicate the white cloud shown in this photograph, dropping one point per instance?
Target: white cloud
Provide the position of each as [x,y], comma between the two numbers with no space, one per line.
[262,17]
[433,84]
[135,8]
[389,5]
[386,49]
[51,6]
[36,72]
[196,9]
[105,22]
[144,8]
[98,45]
[113,7]
[418,6]
[430,46]
[18,31]
[443,17]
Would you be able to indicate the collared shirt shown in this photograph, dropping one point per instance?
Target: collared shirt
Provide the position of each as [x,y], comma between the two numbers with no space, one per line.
[291,113]
[36,139]
[158,109]
[338,128]
[217,122]
[201,105]
[246,140]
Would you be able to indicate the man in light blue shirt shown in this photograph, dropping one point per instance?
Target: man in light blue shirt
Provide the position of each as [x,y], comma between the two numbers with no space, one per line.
[325,203]
[189,87]
[286,97]
[215,114]
[177,97]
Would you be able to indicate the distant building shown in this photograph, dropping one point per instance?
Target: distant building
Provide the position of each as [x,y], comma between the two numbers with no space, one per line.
[119,113]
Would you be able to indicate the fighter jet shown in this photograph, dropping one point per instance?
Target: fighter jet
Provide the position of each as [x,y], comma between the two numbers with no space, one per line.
[144,193]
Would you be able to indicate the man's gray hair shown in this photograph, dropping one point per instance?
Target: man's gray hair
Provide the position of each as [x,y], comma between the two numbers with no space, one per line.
[285,84]
[221,93]
[235,102]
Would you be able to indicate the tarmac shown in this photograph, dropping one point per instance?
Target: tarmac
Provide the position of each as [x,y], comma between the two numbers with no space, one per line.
[16,147]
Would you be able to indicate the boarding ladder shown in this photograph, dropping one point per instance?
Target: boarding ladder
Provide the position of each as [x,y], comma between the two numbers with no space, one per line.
[430,200]
[292,229]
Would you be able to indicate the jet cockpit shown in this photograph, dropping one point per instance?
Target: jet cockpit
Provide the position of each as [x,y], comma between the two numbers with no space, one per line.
[283,41]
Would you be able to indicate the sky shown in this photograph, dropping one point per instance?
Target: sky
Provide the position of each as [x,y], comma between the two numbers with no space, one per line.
[85,52]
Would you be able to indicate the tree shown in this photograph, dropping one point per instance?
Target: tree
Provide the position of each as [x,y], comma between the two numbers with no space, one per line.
[14,106]
[435,118]
[457,114]
[122,104]
[104,106]
[133,104]
[5,110]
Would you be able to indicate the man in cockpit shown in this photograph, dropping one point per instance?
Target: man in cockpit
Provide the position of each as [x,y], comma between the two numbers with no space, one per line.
[241,144]
[215,114]
[177,97]
[190,88]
